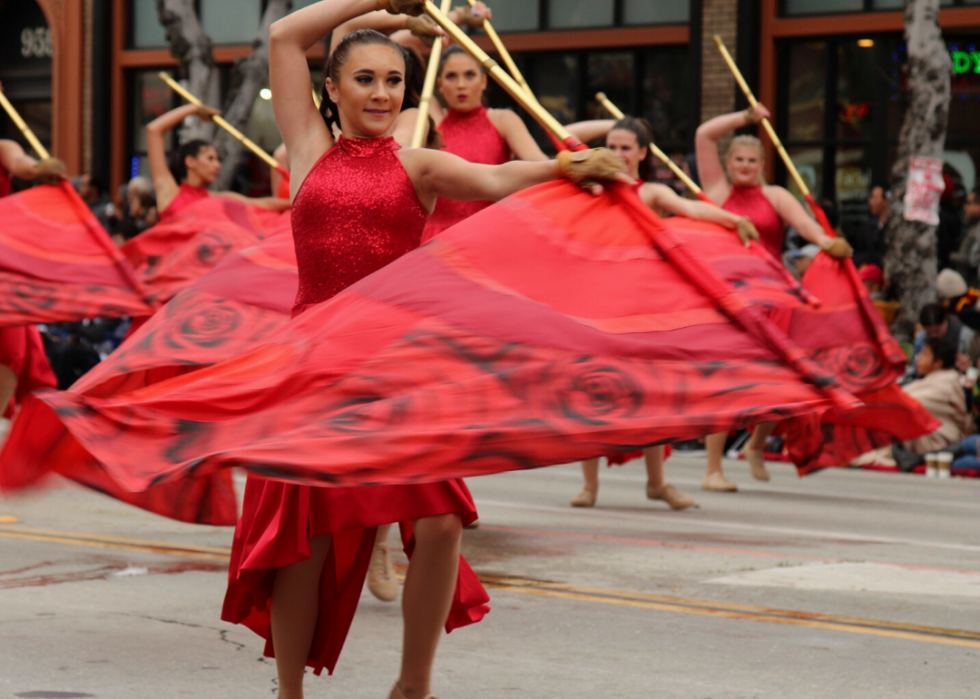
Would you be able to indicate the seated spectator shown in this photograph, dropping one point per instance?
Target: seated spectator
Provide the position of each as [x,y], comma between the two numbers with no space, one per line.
[941,393]
[801,259]
[937,324]
[958,298]
[874,281]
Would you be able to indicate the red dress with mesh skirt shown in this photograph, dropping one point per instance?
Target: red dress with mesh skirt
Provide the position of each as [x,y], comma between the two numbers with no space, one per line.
[473,137]
[752,203]
[22,349]
[187,195]
[356,212]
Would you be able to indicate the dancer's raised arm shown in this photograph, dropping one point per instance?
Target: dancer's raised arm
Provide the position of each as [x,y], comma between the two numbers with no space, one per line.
[164,182]
[710,168]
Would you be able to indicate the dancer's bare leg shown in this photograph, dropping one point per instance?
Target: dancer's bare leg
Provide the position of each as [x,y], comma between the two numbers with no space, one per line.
[714,478]
[8,386]
[590,474]
[755,448]
[381,580]
[429,588]
[657,488]
[295,603]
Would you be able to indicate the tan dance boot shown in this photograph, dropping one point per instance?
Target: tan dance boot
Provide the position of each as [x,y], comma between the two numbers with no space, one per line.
[717,483]
[584,499]
[381,578]
[757,462]
[671,495]
[396,693]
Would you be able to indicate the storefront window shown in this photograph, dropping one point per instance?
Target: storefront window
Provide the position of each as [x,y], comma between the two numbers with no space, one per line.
[807,88]
[822,7]
[656,11]
[574,14]
[852,178]
[855,90]
[150,98]
[615,74]
[554,79]
[26,50]
[666,95]
[147,31]
[231,21]
[809,161]
[515,15]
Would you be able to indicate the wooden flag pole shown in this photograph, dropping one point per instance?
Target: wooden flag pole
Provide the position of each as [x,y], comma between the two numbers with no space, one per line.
[24,128]
[540,114]
[223,123]
[674,168]
[429,87]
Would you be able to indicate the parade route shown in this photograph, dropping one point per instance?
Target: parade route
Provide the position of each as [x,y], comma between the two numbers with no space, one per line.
[844,584]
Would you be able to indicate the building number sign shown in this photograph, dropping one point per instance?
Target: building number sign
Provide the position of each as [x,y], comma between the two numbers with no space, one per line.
[35,42]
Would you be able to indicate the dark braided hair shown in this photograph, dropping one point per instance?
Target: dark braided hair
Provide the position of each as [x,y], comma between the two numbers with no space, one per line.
[191,149]
[414,76]
[644,137]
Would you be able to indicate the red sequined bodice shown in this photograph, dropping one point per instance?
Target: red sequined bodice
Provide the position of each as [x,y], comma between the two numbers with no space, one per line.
[4,183]
[356,212]
[752,203]
[187,195]
[473,137]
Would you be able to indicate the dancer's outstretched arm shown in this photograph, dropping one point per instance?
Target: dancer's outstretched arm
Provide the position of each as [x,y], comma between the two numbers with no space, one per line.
[156,150]
[19,164]
[658,196]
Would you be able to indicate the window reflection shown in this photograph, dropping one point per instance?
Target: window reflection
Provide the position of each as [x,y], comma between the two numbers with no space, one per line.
[567,14]
[807,98]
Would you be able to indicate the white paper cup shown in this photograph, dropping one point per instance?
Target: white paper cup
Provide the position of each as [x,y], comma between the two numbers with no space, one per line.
[944,464]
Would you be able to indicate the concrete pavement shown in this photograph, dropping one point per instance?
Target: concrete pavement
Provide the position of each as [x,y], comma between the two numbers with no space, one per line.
[845,584]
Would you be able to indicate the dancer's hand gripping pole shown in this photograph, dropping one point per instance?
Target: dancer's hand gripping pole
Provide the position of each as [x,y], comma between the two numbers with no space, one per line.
[223,123]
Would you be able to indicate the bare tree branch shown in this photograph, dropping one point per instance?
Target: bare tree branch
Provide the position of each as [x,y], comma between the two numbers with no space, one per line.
[910,260]
[248,77]
[190,45]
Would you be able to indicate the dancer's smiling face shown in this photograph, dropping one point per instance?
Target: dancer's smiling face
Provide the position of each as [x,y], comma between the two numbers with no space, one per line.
[462,82]
[627,146]
[744,165]
[369,90]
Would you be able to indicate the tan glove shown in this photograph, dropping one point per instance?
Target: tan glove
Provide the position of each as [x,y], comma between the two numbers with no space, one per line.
[746,230]
[465,17]
[403,7]
[838,248]
[49,170]
[590,167]
[425,28]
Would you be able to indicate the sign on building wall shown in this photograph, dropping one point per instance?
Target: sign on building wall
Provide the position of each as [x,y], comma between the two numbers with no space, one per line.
[925,188]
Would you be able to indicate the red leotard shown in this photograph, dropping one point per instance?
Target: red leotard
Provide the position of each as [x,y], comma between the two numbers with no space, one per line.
[473,137]
[356,212]
[752,203]
[187,195]
[4,183]
[22,349]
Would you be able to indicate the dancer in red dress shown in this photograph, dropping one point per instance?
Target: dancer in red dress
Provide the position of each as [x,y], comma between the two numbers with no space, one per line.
[24,365]
[631,139]
[195,165]
[481,135]
[771,209]
[300,553]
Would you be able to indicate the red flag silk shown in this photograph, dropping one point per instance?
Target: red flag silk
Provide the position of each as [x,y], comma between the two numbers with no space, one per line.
[58,264]
[22,351]
[500,345]
[171,255]
[242,301]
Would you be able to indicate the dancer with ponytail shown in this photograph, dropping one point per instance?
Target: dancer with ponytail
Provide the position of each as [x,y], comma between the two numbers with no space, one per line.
[631,138]
[739,184]
[195,166]
[359,202]
[481,135]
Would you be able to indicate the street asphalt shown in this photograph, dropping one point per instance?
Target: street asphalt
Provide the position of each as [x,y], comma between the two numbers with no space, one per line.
[842,585]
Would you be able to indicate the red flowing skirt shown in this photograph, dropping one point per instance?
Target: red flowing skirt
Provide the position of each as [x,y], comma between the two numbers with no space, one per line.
[22,350]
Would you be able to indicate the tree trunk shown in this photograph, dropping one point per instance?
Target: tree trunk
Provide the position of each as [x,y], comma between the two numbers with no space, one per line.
[248,77]
[910,260]
[192,47]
